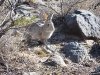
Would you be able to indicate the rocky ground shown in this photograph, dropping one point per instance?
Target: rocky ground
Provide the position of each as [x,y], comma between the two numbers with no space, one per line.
[74,46]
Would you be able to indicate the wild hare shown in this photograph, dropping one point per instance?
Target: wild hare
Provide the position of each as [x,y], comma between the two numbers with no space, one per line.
[42,30]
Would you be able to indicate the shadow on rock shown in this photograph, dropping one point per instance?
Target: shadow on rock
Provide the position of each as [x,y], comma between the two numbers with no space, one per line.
[96,72]
[95,51]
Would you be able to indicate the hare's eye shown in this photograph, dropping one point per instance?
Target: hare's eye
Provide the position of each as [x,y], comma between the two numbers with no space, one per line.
[47,24]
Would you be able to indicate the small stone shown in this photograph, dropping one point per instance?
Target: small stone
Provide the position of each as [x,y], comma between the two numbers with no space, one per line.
[90,42]
[76,52]
[56,59]
[30,73]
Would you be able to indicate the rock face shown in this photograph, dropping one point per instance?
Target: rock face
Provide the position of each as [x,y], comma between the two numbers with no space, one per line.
[76,52]
[83,24]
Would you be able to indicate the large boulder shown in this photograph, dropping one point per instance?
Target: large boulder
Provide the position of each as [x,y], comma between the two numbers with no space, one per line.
[84,24]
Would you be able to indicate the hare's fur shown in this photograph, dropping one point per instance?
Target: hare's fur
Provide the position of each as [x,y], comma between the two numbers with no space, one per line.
[42,30]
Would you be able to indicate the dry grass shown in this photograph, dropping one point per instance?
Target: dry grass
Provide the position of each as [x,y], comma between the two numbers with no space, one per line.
[41,53]
[23,21]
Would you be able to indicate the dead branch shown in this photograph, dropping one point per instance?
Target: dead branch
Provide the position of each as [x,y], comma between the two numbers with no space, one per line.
[77,2]
[61,2]
[1,2]
[3,22]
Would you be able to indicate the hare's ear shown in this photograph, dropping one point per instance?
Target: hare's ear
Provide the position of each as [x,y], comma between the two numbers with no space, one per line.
[45,16]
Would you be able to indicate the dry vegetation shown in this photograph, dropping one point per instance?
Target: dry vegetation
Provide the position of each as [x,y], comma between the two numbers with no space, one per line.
[17,58]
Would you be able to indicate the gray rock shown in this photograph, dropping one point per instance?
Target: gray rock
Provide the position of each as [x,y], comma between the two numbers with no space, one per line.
[95,50]
[30,73]
[22,10]
[1,2]
[56,59]
[83,24]
[76,52]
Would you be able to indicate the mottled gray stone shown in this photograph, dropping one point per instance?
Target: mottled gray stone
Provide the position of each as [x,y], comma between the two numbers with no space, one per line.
[84,24]
[95,50]
[76,52]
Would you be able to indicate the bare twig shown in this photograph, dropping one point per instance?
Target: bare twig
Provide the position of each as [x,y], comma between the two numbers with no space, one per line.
[10,3]
[2,24]
[9,14]
[1,2]
[74,5]
[61,2]
[54,10]
[50,8]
